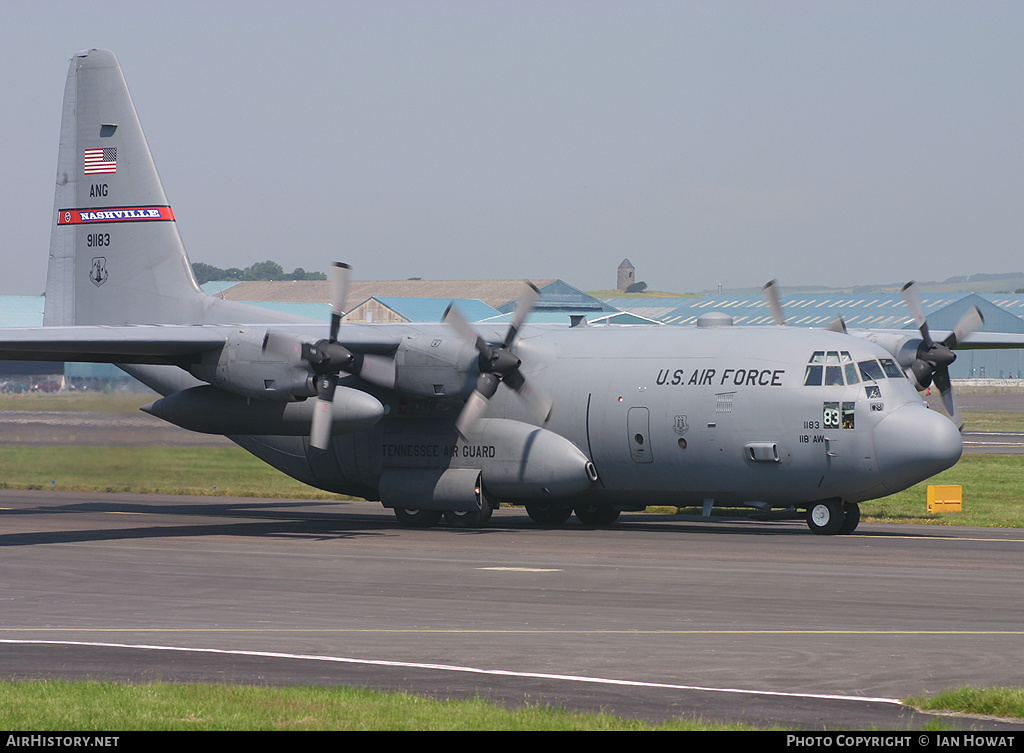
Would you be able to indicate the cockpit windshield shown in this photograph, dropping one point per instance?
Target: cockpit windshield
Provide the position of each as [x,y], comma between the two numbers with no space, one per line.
[837,367]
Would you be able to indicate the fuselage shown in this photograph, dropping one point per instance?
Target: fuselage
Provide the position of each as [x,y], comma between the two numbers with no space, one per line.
[776,417]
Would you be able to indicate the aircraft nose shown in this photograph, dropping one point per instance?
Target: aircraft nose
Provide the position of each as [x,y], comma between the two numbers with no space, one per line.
[914,443]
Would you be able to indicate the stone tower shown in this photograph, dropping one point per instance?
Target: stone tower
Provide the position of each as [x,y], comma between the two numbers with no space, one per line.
[627,275]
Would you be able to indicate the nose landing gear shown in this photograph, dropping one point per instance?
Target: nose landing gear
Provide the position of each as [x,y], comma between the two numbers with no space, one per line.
[832,516]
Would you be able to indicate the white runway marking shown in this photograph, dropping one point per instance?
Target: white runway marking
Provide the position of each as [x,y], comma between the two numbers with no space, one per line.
[456,668]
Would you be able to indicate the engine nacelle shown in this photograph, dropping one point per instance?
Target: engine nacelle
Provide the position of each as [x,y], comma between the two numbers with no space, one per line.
[211,410]
[435,367]
[241,366]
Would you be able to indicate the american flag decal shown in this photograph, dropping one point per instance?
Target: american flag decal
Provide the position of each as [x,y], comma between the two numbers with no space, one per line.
[99,161]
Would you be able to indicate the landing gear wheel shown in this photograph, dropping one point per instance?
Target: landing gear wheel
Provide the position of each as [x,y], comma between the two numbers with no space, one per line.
[596,516]
[549,513]
[417,518]
[826,518]
[851,519]
[466,519]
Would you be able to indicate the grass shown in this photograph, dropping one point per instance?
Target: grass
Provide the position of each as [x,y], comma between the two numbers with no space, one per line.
[40,705]
[1001,702]
[993,420]
[62,705]
[221,471]
[94,402]
[993,493]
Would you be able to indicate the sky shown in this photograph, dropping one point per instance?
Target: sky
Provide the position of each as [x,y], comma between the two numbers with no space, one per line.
[710,143]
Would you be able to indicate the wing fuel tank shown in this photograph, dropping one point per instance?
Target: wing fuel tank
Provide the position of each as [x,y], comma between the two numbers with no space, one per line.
[210,410]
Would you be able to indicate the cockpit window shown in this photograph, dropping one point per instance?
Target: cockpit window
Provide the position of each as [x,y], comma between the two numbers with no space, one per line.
[852,377]
[833,368]
[891,369]
[871,371]
[813,375]
[833,375]
[837,368]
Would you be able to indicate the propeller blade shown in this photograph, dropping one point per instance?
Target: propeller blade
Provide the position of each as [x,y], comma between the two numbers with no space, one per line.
[477,403]
[837,325]
[771,292]
[910,295]
[454,318]
[945,385]
[339,291]
[523,308]
[530,394]
[969,323]
[320,431]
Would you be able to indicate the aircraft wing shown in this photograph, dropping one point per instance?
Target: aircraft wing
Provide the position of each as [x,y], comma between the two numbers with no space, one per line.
[160,344]
[149,344]
[980,340]
[973,341]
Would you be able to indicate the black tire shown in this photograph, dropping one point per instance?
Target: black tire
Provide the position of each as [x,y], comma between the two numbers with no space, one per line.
[417,518]
[851,519]
[596,516]
[549,513]
[826,518]
[464,519]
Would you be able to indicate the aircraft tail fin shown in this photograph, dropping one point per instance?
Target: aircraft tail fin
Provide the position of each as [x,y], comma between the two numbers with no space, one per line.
[115,253]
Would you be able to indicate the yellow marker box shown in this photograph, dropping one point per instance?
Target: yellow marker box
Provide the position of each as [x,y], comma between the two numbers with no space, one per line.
[945,499]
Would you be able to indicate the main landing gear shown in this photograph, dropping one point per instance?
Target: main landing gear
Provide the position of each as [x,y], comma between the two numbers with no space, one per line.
[454,518]
[542,513]
[417,518]
[556,513]
[832,516]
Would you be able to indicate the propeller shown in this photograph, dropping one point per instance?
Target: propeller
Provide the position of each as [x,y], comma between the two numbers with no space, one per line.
[771,292]
[328,358]
[497,363]
[932,360]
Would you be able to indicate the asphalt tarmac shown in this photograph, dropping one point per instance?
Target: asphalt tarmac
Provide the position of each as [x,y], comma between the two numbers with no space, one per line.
[654,618]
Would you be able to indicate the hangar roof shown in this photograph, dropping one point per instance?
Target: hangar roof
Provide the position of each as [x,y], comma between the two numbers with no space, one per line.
[871,311]
[494,293]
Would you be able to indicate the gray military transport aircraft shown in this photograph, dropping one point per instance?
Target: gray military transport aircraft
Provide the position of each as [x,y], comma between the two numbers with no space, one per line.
[590,420]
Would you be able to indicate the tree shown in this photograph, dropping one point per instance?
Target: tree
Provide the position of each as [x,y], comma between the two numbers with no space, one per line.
[636,287]
[263,270]
[205,272]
